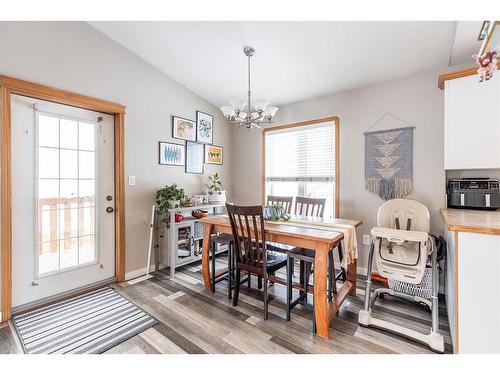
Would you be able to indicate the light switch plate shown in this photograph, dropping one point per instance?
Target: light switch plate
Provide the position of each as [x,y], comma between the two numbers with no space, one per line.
[366,239]
[131,180]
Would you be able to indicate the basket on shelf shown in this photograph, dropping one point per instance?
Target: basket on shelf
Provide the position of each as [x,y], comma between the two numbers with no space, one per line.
[424,289]
[199,229]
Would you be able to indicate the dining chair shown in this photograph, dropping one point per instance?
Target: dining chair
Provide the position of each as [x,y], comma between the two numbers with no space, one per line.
[285,202]
[310,207]
[314,207]
[228,274]
[250,251]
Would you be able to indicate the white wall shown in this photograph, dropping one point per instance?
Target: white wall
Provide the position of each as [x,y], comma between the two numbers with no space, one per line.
[415,99]
[76,57]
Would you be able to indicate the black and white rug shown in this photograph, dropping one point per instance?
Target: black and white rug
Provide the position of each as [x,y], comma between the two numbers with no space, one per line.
[90,323]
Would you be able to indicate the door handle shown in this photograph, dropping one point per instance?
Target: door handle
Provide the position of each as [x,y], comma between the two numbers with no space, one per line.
[109,209]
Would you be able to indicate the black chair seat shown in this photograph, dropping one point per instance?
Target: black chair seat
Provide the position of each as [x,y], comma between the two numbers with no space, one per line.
[279,247]
[275,260]
[307,253]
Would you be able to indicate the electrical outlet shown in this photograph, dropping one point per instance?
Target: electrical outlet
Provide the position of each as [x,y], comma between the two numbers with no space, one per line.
[366,239]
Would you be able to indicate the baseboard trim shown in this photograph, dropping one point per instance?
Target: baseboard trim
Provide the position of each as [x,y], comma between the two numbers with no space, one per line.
[141,272]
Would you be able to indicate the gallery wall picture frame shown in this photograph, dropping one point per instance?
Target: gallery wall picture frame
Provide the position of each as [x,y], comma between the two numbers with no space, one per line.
[171,153]
[183,128]
[194,157]
[204,127]
[213,154]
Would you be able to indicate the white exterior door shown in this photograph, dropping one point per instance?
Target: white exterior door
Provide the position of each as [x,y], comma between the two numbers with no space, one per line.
[62,199]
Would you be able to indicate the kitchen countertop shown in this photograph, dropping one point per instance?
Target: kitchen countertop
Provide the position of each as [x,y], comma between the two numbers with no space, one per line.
[475,221]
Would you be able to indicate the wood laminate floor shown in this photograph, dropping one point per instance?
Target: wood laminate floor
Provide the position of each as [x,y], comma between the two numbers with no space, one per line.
[193,320]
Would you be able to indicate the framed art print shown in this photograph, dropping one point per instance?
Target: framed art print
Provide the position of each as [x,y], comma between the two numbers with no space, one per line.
[172,154]
[204,127]
[183,128]
[194,157]
[213,154]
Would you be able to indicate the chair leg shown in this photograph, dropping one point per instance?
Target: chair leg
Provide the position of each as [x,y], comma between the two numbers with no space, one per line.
[341,257]
[259,282]
[249,279]
[289,286]
[213,266]
[307,274]
[237,287]
[229,271]
[331,276]
[301,276]
[265,299]
[314,318]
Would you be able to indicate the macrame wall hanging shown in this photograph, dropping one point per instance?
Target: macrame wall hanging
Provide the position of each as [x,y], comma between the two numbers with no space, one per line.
[389,159]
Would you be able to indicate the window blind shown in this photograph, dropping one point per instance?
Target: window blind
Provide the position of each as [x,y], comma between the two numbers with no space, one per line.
[303,153]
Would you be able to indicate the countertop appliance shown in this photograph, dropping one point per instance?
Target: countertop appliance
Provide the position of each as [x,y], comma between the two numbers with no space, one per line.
[474,193]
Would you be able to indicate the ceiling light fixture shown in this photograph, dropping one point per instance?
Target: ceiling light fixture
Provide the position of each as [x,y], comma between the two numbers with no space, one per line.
[248,114]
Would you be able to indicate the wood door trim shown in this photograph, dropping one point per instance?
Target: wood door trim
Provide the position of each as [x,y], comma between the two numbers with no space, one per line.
[6,202]
[334,119]
[8,86]
[35,90]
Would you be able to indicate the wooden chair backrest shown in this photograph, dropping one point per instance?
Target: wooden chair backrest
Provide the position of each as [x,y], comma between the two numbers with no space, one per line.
[286,202]
[247,226]
[310,206]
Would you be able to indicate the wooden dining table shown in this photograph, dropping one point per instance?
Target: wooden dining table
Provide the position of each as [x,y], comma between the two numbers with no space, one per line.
[320,239]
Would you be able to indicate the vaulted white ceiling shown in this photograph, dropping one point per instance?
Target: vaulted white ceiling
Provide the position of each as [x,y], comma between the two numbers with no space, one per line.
[293,60]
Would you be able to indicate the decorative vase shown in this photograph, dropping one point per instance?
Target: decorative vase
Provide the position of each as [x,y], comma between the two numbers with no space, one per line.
[175,203]
[217,196]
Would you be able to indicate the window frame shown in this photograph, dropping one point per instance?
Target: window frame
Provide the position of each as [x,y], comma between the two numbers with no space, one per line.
[336,123]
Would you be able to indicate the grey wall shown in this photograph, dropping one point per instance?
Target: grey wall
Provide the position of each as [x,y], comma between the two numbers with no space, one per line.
[415,99]
[76,57]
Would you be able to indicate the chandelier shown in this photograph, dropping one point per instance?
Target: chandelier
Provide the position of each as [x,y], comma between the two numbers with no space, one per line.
[248,114]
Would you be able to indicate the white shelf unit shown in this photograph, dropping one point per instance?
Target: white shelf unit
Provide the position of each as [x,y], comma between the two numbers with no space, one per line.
[181,244]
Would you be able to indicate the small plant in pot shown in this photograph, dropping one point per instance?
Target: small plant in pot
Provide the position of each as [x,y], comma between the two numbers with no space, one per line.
[168,197]
[215,192]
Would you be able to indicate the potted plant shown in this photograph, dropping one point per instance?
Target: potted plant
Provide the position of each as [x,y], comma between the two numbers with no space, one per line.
[215,192]
[167,198]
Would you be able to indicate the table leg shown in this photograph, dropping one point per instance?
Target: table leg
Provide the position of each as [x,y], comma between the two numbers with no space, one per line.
[205,256]
[351,276]
[321,306]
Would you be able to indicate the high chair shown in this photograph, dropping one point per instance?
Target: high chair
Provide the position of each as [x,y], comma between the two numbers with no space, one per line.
[401,245]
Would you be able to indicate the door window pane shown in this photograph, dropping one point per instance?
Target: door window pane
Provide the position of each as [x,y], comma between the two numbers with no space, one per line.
[68,194]
[87,193]
[48,259]
[48,162]
[86,164]
[68,250]
[86,136]
[69,134]
[69,164]
[48,131]
[87,249]
[48,225]
[86,221]
[68,223]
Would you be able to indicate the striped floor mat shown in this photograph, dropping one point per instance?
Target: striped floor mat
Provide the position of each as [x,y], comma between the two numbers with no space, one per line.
[90,323]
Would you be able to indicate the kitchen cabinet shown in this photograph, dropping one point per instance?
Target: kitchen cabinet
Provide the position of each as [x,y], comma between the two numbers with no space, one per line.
[472,123]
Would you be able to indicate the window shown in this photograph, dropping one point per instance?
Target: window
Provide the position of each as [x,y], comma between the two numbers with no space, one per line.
[66,191]
[300,160]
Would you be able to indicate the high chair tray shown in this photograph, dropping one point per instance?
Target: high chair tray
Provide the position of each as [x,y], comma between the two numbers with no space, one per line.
[398,235]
